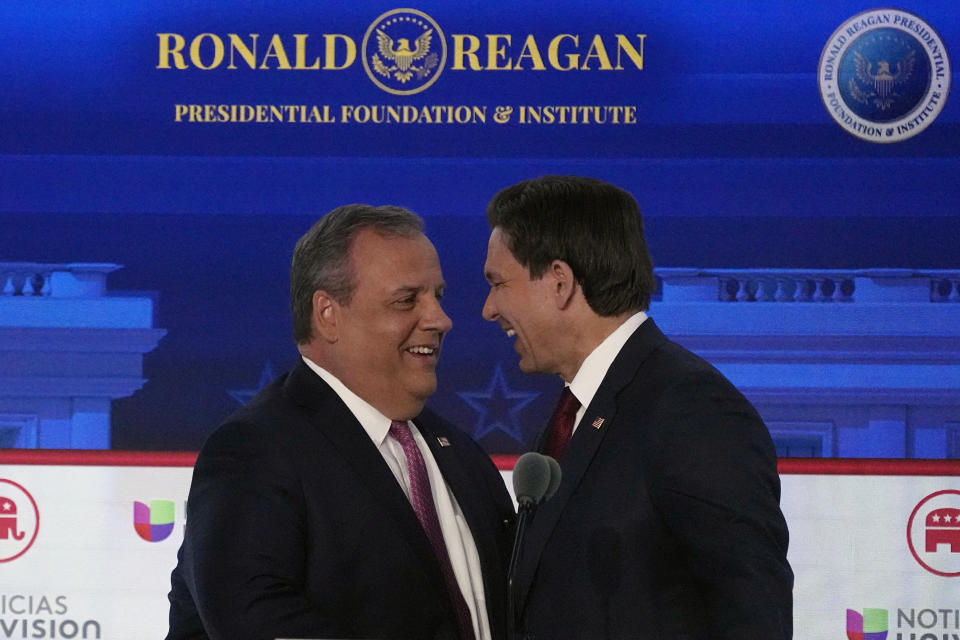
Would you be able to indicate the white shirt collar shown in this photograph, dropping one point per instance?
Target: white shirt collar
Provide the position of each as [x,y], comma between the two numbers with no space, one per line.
[373,422]
[457,535]
[591,373]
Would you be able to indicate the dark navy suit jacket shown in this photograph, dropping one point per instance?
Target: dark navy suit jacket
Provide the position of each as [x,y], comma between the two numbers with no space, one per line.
[667,521]
[297,528]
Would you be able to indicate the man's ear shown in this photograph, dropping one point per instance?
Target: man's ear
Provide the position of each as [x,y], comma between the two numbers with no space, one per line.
[325,317]
[563,282]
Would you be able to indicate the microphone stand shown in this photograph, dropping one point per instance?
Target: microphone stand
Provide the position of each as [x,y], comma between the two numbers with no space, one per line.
[536,478]
[525,508]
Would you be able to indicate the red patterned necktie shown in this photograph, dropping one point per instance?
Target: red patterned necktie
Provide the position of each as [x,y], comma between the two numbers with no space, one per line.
[421,497]
[560,427]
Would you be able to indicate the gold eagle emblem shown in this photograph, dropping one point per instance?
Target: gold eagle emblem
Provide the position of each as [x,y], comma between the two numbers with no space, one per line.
[878,87]
[403,57]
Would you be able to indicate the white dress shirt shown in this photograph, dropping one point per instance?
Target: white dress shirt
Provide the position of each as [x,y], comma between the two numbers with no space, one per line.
[457,536]
[591,373]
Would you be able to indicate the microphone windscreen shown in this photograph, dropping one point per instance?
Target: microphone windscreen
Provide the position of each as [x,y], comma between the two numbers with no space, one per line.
[531,478]
[554,478]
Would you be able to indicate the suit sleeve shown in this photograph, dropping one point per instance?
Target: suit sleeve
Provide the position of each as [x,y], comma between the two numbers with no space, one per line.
[246,541]
[716,486]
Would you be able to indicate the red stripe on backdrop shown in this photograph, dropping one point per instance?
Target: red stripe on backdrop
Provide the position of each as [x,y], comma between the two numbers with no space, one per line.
[504,462]
[819,466]
[833,466]
[88,458]
[869,467]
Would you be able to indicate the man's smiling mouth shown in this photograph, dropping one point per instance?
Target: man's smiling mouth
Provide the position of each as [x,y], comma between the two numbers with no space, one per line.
[423,351]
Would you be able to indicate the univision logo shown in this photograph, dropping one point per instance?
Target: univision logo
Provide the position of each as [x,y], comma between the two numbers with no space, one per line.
[911,624]
[872,624]
[153,522]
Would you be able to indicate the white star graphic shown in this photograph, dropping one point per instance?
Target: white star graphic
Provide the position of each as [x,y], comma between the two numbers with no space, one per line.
[7,505]
[936,518]
[948,519]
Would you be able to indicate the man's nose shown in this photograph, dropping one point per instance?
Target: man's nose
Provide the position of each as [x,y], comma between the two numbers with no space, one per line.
[436,318]
[489,310]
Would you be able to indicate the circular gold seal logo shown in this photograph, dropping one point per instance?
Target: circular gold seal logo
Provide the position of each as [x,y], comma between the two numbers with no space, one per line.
[884,75]
[404,51]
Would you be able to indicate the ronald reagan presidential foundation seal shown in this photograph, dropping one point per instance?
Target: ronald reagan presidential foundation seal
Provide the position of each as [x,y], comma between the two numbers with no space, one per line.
[884,75]
[404,51]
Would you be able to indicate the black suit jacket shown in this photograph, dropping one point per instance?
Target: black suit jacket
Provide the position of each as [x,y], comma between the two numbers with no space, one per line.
[667,521]
[297,528]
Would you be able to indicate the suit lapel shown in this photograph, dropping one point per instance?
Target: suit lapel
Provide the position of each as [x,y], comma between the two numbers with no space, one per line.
[455,467]
[599,418]
[330,415]
[457,470]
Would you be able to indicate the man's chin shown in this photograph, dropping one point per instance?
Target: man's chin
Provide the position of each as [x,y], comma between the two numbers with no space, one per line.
[532,368]
[424,388]
[527,366]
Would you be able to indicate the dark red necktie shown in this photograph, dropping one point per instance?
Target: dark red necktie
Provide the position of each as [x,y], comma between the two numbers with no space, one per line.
[421,497]
[560,427]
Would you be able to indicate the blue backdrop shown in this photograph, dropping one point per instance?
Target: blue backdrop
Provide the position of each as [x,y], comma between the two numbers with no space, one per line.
[733,156]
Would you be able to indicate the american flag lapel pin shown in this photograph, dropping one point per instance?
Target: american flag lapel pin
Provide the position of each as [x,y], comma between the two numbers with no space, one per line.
[443,441]
[597,423]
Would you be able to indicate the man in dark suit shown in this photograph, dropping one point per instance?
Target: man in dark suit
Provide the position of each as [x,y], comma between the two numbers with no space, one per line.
[333,505]
[667,521]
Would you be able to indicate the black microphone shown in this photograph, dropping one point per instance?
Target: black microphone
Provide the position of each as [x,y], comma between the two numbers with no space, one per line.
[535,479]
[554,478]
[531,479]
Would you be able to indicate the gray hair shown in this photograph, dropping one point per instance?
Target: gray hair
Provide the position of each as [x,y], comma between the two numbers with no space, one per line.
[321,259]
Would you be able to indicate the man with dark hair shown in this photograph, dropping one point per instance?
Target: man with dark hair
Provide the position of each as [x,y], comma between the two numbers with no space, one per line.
[667,521]
[333,505]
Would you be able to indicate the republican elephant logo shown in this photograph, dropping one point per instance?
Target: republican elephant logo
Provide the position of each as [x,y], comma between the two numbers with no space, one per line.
[19,520]
[943,527]
[8,520]
[933,533]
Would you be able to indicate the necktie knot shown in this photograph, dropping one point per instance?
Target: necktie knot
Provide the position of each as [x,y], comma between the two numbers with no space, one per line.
[560,427]
[568,405]
[400,431]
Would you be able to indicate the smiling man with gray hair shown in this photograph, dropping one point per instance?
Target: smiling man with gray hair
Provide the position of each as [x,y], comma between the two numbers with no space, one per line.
[334,505]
